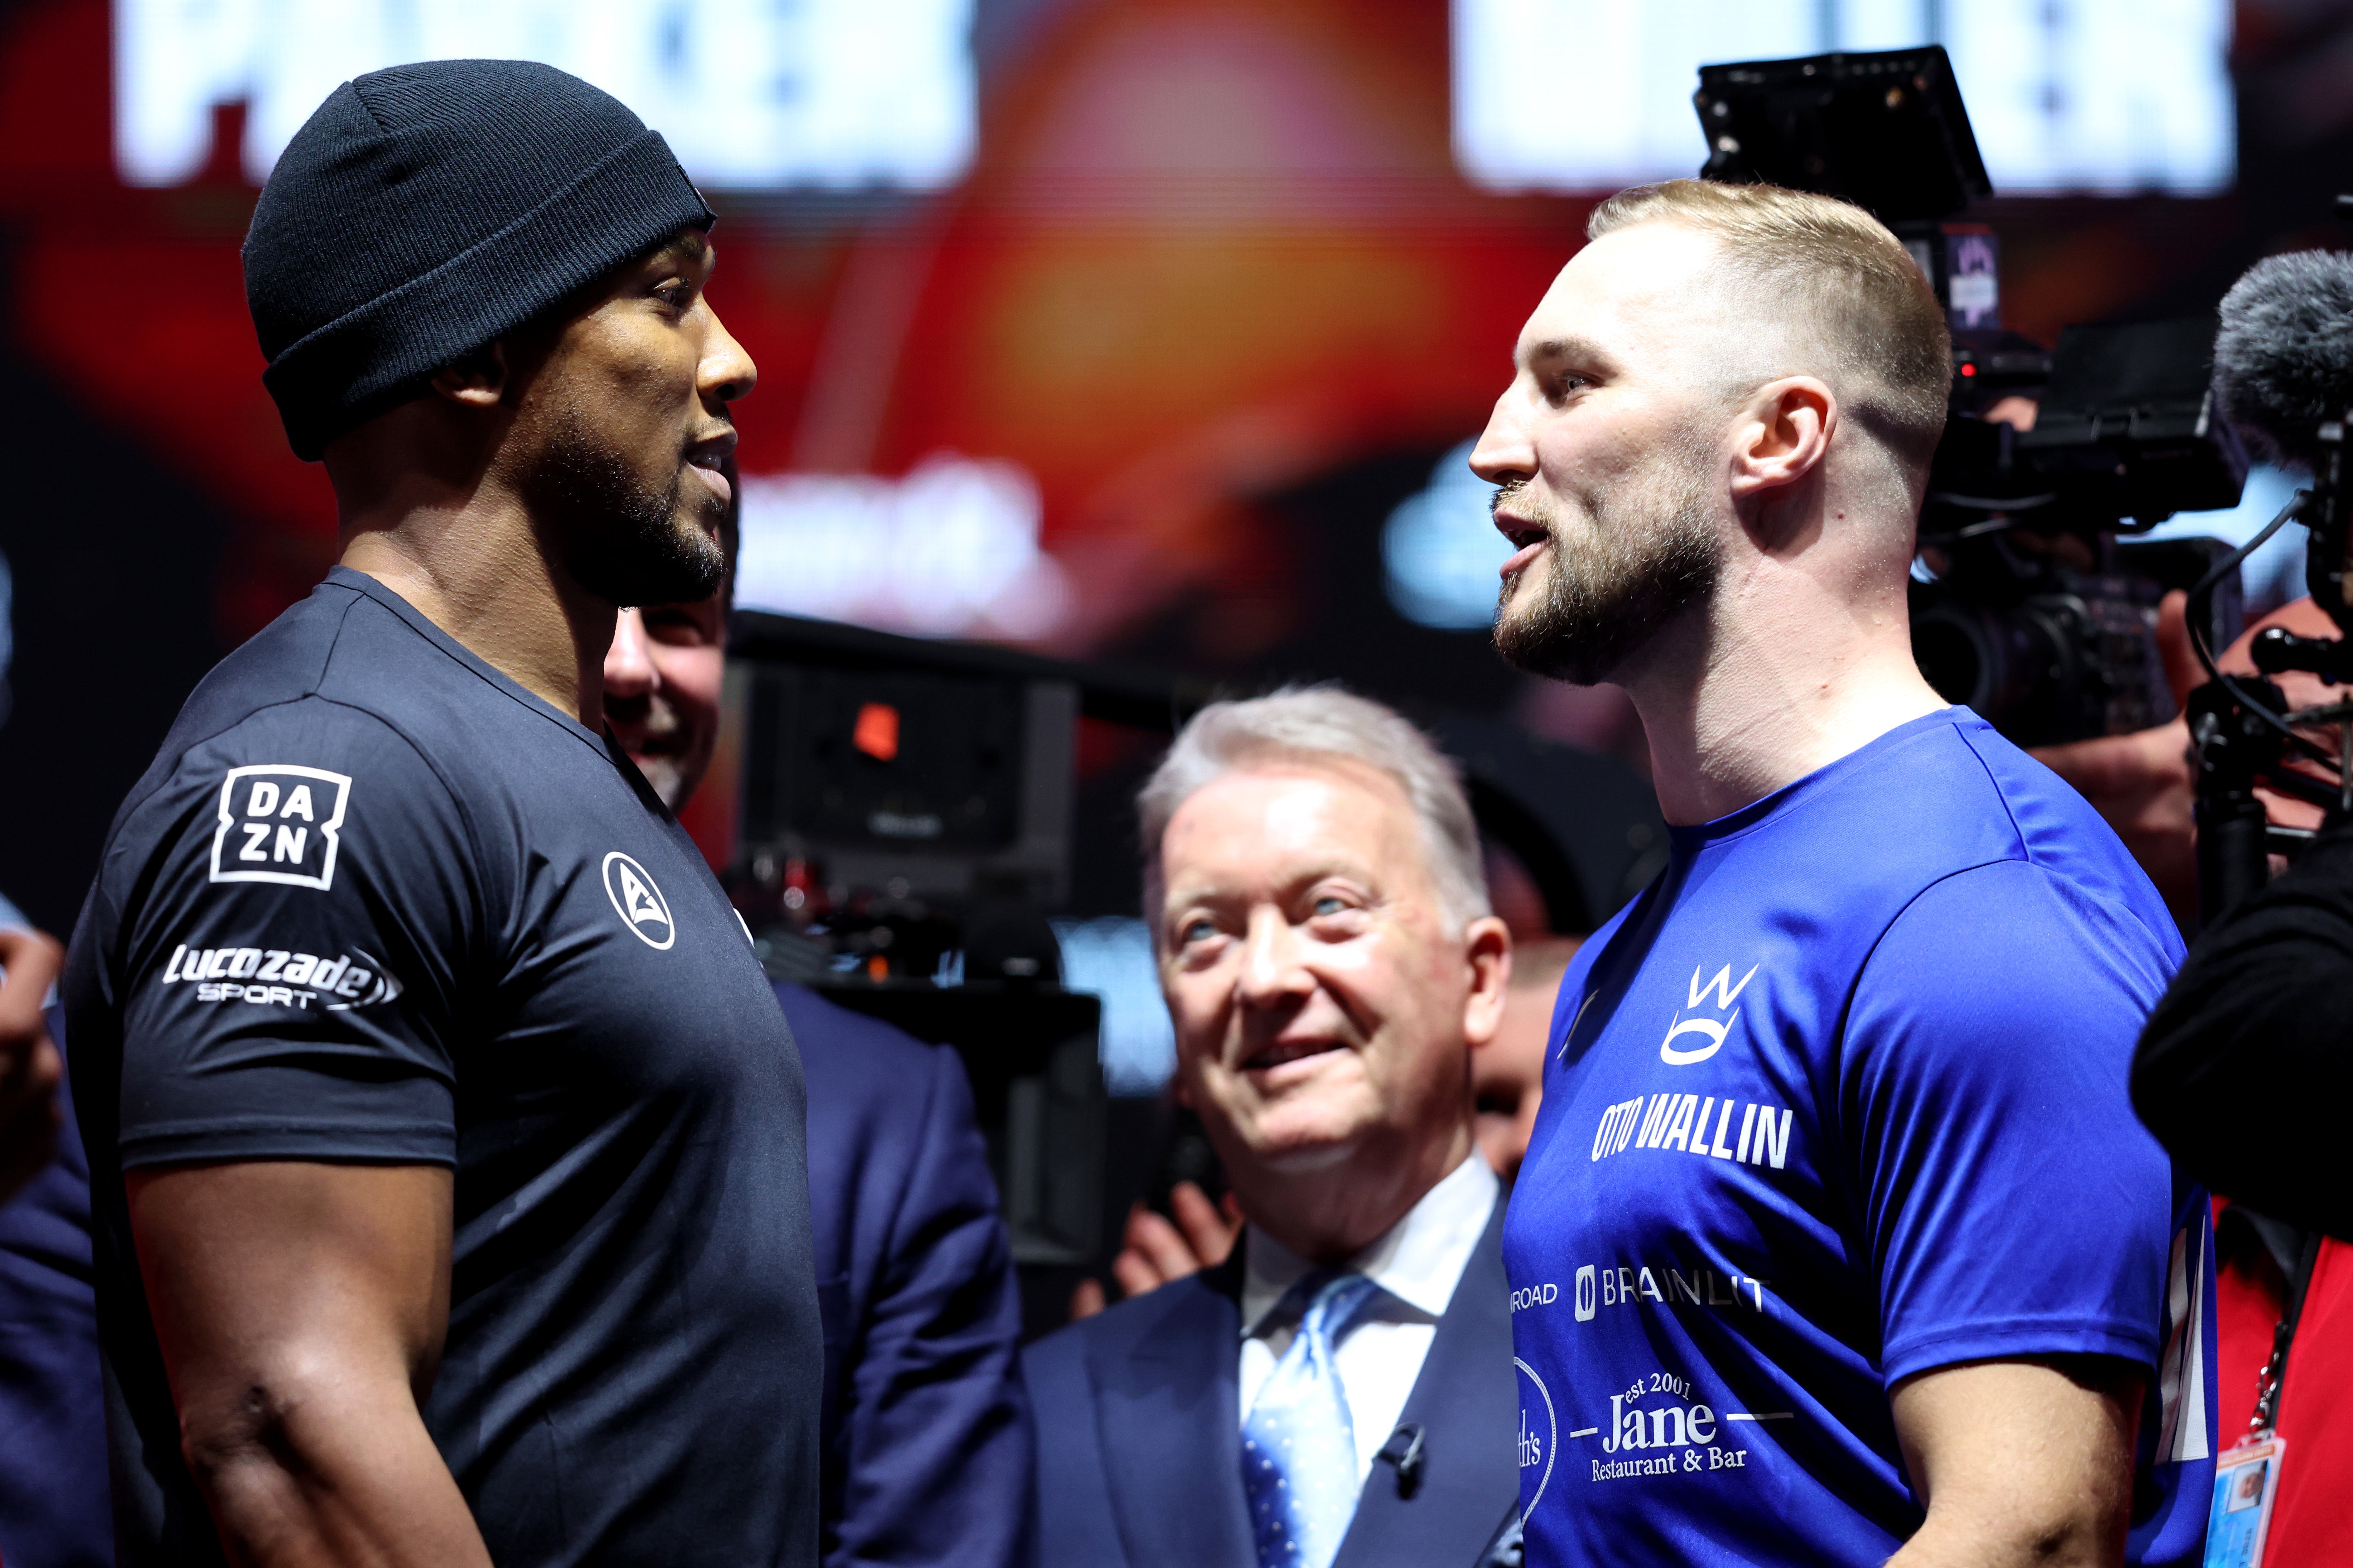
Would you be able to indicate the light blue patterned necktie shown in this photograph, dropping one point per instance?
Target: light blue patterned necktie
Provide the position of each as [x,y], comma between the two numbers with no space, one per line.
[1299,1446]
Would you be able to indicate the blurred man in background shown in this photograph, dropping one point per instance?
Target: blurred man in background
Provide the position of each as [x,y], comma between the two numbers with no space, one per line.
[924,1426]
[1803,1284]
[30,1067]
[1507,1078]
[53,1493]
[1338,1389]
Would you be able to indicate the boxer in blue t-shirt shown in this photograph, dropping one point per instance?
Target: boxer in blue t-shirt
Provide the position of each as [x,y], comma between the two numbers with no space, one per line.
[1837,1237]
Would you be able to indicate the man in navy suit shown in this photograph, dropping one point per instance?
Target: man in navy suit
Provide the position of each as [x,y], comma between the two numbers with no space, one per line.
[55,1510]
[1339,1391]
[925,1432]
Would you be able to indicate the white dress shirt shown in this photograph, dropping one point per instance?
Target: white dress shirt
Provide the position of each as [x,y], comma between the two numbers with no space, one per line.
[1417,1263]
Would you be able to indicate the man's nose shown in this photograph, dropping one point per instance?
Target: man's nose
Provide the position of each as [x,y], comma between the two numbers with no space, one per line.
[1505,452]
[726,371]
[629,663]
[1272,972]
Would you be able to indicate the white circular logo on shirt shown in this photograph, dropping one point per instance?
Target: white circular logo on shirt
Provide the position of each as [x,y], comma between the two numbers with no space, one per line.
[640,904]
[1537,1444]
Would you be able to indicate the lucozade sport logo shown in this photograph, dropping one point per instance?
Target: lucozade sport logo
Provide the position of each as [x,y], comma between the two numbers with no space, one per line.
[278,976]
[279,823]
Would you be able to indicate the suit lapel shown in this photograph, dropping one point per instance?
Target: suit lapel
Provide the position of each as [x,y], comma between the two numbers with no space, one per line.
[1467,1401]
[1170,1423]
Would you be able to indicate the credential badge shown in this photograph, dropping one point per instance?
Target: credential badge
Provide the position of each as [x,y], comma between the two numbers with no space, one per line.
[279,823]
[640,904]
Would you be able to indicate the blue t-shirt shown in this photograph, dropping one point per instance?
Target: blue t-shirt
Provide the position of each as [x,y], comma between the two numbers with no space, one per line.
[1842,1099]
[374,902]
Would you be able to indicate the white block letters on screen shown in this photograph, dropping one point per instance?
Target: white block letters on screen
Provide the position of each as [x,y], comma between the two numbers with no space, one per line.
[2064,95]
[751,94]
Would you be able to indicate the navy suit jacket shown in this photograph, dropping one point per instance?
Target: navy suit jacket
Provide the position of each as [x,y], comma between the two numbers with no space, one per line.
[55,1507]
[926,1428]
[1139,1433]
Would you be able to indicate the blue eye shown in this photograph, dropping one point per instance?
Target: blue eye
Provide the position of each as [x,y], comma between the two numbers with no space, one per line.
[1330,905]
[1198,931]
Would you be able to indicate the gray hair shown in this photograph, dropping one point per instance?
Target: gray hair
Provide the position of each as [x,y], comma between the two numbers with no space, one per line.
[1308,725]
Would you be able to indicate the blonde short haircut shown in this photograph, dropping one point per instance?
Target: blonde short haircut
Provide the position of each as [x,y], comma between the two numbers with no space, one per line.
[1846,287]
[1318,726]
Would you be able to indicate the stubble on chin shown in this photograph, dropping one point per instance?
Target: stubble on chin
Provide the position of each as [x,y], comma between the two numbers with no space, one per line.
[624,539]
[1612,583]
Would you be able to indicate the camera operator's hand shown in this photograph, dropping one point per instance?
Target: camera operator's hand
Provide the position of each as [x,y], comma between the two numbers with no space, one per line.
[2303,690]
[29,1064]
[2145,784]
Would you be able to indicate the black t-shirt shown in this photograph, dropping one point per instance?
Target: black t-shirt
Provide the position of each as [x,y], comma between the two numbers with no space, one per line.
[374,902]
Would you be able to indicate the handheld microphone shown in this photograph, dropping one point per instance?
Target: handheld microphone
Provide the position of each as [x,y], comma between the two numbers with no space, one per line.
[2283,358]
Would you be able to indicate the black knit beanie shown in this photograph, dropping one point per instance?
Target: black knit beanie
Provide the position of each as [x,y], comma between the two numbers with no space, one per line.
[426,210]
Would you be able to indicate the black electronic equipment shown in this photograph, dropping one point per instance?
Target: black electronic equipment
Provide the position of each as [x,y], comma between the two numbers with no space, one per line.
[2283,367]
[1886,131]
[903,805]
[1883,130]
[937,784]
[2033,604]
[2127,425]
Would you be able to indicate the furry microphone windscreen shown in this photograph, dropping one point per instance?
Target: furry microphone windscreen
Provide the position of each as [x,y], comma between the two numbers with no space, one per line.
[2283,357]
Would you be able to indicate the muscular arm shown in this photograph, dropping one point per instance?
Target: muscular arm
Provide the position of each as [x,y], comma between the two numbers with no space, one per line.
[301,1310]
[2020,1462]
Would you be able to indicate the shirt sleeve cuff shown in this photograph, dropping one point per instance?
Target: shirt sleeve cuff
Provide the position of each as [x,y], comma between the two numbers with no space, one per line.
[263,1137]
[2016,1340]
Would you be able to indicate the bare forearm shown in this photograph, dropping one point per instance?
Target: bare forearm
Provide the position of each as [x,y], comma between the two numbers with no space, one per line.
[2022,1464]
[301,1310]
[337,1479]
[1993,1539]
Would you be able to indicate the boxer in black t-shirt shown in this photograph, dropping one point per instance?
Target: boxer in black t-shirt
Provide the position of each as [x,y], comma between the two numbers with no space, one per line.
[447,1142]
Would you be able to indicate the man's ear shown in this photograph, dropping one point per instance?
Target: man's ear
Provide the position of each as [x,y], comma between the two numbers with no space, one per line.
[1784,434]
[479,380]
[1487,945]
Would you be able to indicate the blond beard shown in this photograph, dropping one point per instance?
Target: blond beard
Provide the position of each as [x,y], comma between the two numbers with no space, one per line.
[1631,565]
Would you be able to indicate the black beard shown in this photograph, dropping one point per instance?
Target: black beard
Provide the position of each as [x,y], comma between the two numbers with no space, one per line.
[1640,563]
[618,537]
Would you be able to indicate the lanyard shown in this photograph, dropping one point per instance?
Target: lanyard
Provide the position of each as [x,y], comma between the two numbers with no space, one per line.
[2274,1371]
